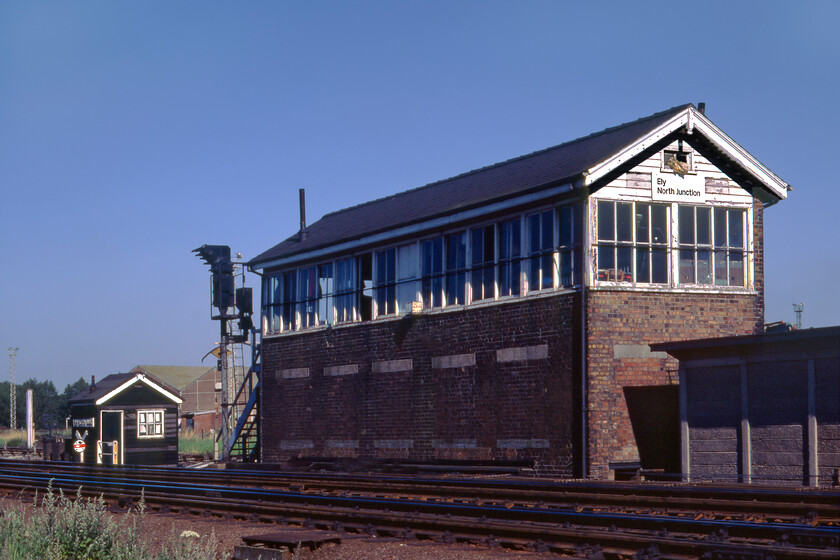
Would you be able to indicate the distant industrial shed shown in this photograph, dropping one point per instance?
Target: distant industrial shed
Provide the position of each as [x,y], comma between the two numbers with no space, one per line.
[199,387]
[761,408]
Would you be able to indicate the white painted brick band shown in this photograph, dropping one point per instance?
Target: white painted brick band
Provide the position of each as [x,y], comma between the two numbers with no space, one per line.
[393,443]
[453,361]
[342,443]
[522,353]
[522,443]
[294,373]
[335,371]
[621,351]
[392,366]
[288,444]
[455,444]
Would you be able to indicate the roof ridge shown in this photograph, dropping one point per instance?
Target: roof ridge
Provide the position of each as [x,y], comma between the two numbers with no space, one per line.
[611,129]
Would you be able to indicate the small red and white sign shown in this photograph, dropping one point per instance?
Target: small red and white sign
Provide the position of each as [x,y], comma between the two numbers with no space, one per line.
[79,446]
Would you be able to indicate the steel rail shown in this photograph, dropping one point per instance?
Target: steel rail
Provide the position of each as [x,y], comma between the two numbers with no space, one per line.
[547,525]
[818,506]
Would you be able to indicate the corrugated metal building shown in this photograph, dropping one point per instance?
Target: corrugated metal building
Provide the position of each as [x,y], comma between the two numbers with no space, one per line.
[762,408]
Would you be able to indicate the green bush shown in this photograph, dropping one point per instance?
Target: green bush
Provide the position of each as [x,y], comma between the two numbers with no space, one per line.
[81,529]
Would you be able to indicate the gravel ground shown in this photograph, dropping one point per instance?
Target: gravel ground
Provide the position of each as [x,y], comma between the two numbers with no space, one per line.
[159,528]
[352,547]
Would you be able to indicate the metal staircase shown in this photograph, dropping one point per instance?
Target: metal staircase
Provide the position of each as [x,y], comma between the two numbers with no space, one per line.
[245,434]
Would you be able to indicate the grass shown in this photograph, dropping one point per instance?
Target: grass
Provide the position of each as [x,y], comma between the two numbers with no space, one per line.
[12,438]
[191,443]
[61,528]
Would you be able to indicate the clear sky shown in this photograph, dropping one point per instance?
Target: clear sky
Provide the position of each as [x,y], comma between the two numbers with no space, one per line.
[134,132]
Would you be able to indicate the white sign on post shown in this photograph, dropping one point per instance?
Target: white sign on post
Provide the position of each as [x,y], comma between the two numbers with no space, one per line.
[670,187]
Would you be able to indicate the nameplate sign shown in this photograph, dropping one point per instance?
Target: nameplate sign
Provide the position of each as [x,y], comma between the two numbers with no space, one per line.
[670,187]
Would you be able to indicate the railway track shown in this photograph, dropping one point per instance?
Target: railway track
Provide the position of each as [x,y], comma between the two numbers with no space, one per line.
[475,510]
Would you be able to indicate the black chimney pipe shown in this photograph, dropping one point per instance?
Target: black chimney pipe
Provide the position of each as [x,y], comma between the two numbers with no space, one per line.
[302,234]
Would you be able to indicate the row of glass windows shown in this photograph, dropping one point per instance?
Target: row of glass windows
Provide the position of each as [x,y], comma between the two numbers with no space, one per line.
[526,254]
[482,263]
[633,244]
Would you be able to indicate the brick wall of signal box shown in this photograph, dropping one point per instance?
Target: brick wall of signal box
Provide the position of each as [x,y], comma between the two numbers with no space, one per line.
[484,383]
[620,326]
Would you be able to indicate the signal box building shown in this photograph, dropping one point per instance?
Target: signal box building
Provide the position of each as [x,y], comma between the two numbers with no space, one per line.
[501,315]
[126,418]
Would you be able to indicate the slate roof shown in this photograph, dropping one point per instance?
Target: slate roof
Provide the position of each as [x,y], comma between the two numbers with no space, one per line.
[179,377]
[557,165]
[111,382]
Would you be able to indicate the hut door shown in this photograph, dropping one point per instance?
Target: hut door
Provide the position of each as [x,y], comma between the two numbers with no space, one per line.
[109,446]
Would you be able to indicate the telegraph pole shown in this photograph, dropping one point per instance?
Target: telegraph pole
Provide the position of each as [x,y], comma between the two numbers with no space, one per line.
[12,392]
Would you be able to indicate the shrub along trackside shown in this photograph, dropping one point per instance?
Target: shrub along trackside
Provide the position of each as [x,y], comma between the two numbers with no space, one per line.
[61,528]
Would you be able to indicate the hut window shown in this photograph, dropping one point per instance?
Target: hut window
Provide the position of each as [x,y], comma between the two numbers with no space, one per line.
[149,423]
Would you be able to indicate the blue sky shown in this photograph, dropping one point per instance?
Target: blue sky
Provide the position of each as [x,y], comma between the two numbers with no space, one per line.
[134,132]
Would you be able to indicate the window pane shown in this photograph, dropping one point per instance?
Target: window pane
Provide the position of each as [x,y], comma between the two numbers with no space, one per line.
[624,272]
[289,294]
[308,291]
[704,234]
[686,217]
[456,263]
[364,286]
[659,223]
[606,220]
[325,294]
[686,266]
[534,233]
[509,252]
[432,268]
[566,226]
[625,221]
[566,268]
[642,223]
[540,245]
[345,274]
[408,265]
[515,239]
[659,266]
[720,227]
[736,228]
[736,268]
[385,279]
[606,262]
[547,267]
[704,267]
[547,229]
[482,243]
[721,276]
[642,265]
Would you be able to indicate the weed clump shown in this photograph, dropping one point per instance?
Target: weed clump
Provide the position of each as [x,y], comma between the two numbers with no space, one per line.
[79,528]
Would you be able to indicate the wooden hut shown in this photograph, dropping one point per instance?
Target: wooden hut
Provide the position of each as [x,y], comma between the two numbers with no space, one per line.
[126,418]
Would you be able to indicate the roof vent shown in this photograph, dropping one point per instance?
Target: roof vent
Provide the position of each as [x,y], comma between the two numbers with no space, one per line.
[702,107]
